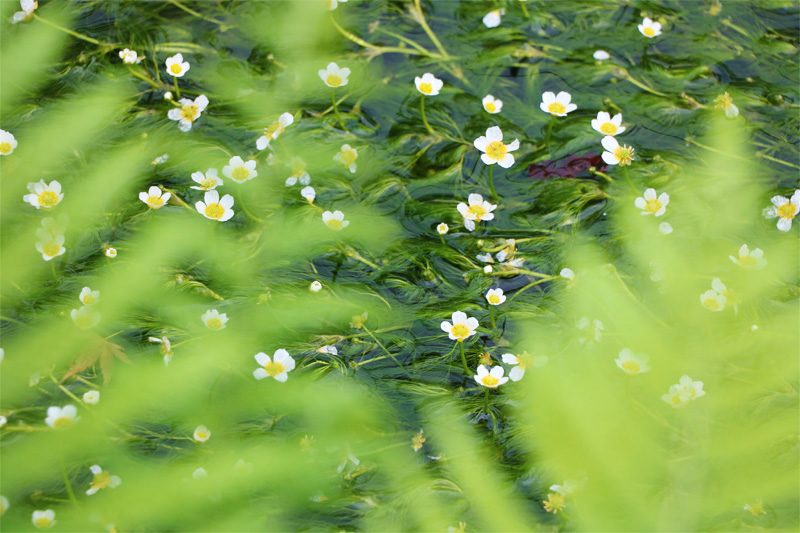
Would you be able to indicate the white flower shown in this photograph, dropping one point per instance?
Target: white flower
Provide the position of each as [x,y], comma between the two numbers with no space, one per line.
[309,194]
[632,363]
[61,417]
[713,300]
[91,397]
[333,4]
[200,473]
[650,204]
[102,479]
[725,102]
[214,320]
[490,378]
[111,252]
[568,274]
[130,57]
[683,392]
[442,229]
[477,210]
[607,125]
[616,154]
[665,228]
[492,104]
[215,208]
[207,182]
[335,220]
[495,296]
[600,55]
[49,245]
[462,327]
[88,296]
[347,156]
[694,389]
[3,421]
[201,434]
[299,173]
[239,171]
[165,348]
[84,317]
[315,286]
[785,209]
[188,112]
[168,95]
[650,29]
[750,259]
[277,367]
[155,197]
[7,142]
[492,18]
[494,151]
[44,195]
[44,519]
[557,105]
[521,362]
[4,505]
[274,130]
[592,330]
[428,84]
[333,76]
[176,66]
[28,7]
[329,349]
[488,268]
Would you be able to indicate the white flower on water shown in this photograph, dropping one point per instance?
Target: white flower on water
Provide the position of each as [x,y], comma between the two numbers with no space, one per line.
[632,363]
[650,204]
[101,480]
[490,378]
[750,259]
[188,112]
[276,367]
[492,18]
[784,209]
[494,151]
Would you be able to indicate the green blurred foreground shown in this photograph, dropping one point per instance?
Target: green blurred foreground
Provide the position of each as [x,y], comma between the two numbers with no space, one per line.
[265,365]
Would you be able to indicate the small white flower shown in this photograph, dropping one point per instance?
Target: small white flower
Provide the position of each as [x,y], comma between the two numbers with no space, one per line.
[713,300]
[168,95]
[299,173]
[592,330]
[650,29]
[557,105]
[49,245]
[240,171]
[315,286]
[488,269]
[28,7]
[333,76]
[683,392]
[329,349]
[102,479]
[199,473]
[785,209]
[750,259]
[495,296]
[7,142]
[309,194]
[4,505]
[428,84]
[176,66]
[188,112]
[462,327]
[608,125]
[130,57]
[632,363]
[61,417]
[490,378]
[111,252]
[84,317]
[521,362]
[201,434]
[477,210]
[91,397]
[492,18]
[214,320]
[347,156]
[491,104]
[335,220]
[207,182]
[615,153]
[600,55]
[165,348]
[277,367]
[274,130]
[494,151]
[215,208]
[3,421]
[442,229]
[155,197]
[44,519]
[44,195]
[725,102]
[652,205]
[665,228]
[568,274]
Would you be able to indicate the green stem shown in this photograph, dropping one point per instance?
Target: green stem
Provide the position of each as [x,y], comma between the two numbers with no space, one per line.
[177,90]
[422,113]
[491,316]
[336,109]
[53,269]
[491,182]
[463,357]
[390,354]
[67,484]
[73,33]
[144,78]
[486,400]
[627,178]
[547,136]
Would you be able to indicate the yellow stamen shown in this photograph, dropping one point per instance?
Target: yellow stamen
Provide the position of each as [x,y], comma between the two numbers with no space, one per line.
[62,423]
[214,211]
[460,331]
[787,210]
[5,148]
[189,112]
[333,80]
[155,201]
[649,31]
[494,299]
[426,88]
[556,108]
[101,480]
[207,183]
[274,129]
[496,150]
[51,249]
[652,206]
[48,199]
[43,522]
[88,299]
[214,323]
[240,174]
[175,68]
[490,107]
[333,223]
[624,154]
[489,380]
[711,303]
[608,128]
[631,366]
[274,368]
[478,210]
[554,503]
[349,157]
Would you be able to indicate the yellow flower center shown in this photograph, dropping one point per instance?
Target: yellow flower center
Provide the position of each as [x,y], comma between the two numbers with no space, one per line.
[724,102]
[240,173]
[652,206]
[460,331]
[51,249]
[274,129]
[624,154]
[62,423]
[478,210]
[335,224]
[214,211]
[48,199]
[554,503]
[333,80]
[208,183]
[631,366]
[711,303]
[489,380]
[155,201]
[494,299]
[496,150]
[608,128]
[649,31]
[202,435]
[349,157]
[746,260]
[176,68]
[88,299]
[189,112]
[556,108]
[756,508]
[274,368]
[425,88]
[490,107]
[101,480]
[42,522]
[213,323]
[786,210]
[5,148]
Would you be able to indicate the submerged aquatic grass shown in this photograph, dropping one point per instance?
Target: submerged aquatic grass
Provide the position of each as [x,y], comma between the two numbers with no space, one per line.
[315,304]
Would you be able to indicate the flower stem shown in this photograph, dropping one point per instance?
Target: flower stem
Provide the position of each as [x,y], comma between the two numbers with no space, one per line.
[73,33]
[627,178]
[491,182]
[486,400]
[336,109]
[491,316]
[547,136]
[422,112]
[463,357]
[67,484]
[390,354]
[144,78]
[177,90]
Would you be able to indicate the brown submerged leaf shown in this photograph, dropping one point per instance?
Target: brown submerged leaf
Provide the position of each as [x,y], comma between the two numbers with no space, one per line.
[104,351]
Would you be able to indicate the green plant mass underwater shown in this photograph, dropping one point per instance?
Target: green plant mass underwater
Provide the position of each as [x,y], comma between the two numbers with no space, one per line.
[399,265]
